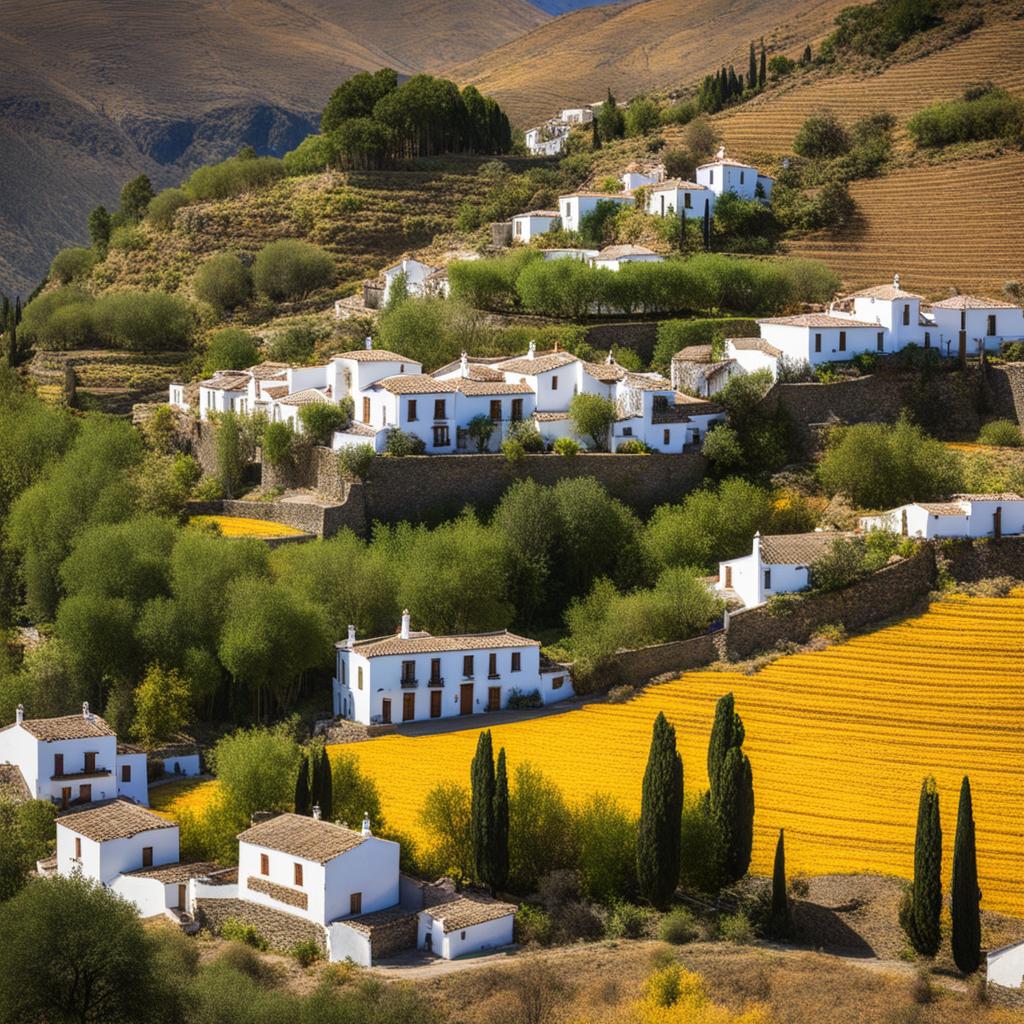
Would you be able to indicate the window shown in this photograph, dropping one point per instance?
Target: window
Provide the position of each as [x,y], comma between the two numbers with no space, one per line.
[366,410]
[355,903]
[78,848]
[264,864]
[519,227]
[495,410]
[665,436]
[906,314]
[435,669]
[742,175]
[359,676]
[90,762]
[442,438]
[58,764]
[554,382]
[991,331]
[439,404]
[467,666]
[880,341]
[298,874]
[463,934]
[817,342]
[556,683]
[517,410]
[126,773]
[688,201]
[927,339]
[842,341]
[401,367]
[711,177]
[963,319]
[492,666]
[147,856]
[517,659]
[627,431]
[408,671]
[412,410]
[767,579]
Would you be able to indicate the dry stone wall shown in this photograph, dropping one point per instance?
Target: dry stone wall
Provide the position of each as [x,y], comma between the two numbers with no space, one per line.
[281,929]
[643,664]
[971,560]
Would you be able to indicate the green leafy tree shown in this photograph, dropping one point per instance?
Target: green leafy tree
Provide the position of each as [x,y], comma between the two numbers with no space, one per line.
[661,810]
[135,198]
[291,269]
[482,805]
[446,817]
[162,706]
[541,838]
[28,830]
[295,345]
[321,419]
[164,205]
[303,803]
[353,793]
[592,416]
[780,923]
[223,281]
[231,349]
[71,264]
[99,229]
[921,908]
[606,834]
[965,896]
[642,117]
[481,429]
[356,97]
[278,445]
[822,136]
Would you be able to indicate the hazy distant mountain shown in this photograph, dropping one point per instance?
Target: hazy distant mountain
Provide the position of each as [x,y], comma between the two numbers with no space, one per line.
[557,7]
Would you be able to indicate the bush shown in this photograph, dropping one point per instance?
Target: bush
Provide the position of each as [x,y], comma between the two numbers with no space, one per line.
[70,264]
[223,282]
[128,238]
[513,450]
[520,701]
[143,321]
[839,567]
[674,335]
[627,921]
[399,444]
[295,346]
[164,205]
[566,446]
[307,952]
[354,461]
[821,136]
[321,419]
[736,928]
[992,114]
[591,416]
[620,694]
[238,931]
[634,447]
[1001,433]
[278,442]
[231,349]
[532,925]
[315,153]
[527,436]
[290,269]
[233,176]
[678,926]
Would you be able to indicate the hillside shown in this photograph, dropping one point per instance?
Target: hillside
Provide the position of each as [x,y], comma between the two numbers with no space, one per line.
[649,45]
[94,91]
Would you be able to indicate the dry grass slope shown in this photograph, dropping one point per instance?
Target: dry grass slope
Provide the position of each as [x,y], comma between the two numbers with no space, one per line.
[839,741]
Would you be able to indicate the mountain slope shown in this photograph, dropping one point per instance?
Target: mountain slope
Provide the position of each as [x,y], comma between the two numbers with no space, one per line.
[92,91]
[632,48]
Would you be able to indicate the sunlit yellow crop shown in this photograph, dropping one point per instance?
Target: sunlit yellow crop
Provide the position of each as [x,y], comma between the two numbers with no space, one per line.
[839,741]
[189,795]
[238,526]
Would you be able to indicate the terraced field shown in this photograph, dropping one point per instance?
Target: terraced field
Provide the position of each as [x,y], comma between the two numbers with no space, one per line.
[240,526]
[839,741]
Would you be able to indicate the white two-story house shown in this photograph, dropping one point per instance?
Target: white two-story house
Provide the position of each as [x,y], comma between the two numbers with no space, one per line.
[676,197]
[572,208]
[412,675]
[724,174]
[73,759]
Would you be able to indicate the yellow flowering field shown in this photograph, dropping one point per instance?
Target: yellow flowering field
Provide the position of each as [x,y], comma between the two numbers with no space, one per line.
[239,526]
[170,799]
[839,741]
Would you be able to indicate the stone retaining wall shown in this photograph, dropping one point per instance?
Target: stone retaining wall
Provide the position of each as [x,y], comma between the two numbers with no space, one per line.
[971,560]
[281,930]
[302,516]
[646,663]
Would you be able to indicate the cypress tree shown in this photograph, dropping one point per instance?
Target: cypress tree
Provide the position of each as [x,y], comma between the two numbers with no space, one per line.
[780,924]
[661,815]
[752,66]
[731,794]
[596,135]
[499,875]
[727,731]
[762,73]
[734,86]
[302,788]
[481,778]
[806,58]
[325,794]
[921,909]
[965,895]
[707,224]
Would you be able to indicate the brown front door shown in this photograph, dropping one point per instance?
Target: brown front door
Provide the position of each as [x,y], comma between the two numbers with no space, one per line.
[65,797]
[435,704]
[493,698]
[466,699]
[408,707]
[385,711]
[85,793]
[182,901]
[366,410]
[90,762]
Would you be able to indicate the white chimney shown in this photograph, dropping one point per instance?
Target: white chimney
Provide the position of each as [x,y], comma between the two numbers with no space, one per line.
[85,710]
[316,812]
[896,280]
[720,155]
[368,343]
[464,365]
[366,824]
[405,624]
[531,352]
[611,359]
[19,714]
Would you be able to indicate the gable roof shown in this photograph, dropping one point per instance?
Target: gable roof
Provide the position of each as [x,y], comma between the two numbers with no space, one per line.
[481,388]
[628,196]
[616,252]
[269,371]
[237,380]
[420,642]
[753,345]
[538,213]
[1002,496]
[303,397]
[66,727]
[538,364]
[972,302]
[648,382]
[375,355]
[816,320]
[677,183]
[463,910]
[888,292]
[299,836]
[694,354]
[606,373]
[116,819]
[798,548]
[943,508]
[416,384]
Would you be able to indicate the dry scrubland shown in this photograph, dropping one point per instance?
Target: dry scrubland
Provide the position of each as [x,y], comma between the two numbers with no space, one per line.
[839,741]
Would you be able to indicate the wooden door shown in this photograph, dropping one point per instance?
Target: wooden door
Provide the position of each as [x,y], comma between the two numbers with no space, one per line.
[466,699]
[435,704]
[85,794]
[385,711]
[408,707]
[728,577]
[493,698]
[90,762]
[366,410]
[65,797]
[182,898]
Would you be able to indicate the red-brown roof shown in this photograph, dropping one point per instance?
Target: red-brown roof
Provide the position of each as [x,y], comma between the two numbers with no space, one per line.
[118,819]
[299,836]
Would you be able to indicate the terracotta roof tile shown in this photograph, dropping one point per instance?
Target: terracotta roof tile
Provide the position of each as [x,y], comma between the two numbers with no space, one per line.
[67,727]
[606,373]
[971,302]
[816,320]
[695,354]
[116,819]
[550,417]
[269,371]
[753,345]
[375,355]
[538,364]
[171,874]
[423,643]
[304,397]
[482,388]
[416,384]
[627,196]
[680,183]
[616,252]
[538,213]
[1002,496]
[798,548]
[463,910]
[278,391]
[226,382]
[299,836]
[648,382]
[882,291]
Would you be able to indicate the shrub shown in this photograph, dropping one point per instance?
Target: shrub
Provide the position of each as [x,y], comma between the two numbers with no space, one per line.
[400,444]
[840,566]
[527,436]
[143,321]
[532,925]
[223,282]
[634,446]
[736,928]
[678,926]
[513,450]
[238,931]
[992,114]
[313,154]
[566,446]
[233,176]
[290,269]
[1001,433]
[321,419]
[164,205]
[70,264]
[520,701]
[231,349]
[354,461]
[620,694]
[278,441]
[822,135]
[480,430]
[307,952]
[128,238]
[643,116]
[295,346]
[591,416]
[627,921]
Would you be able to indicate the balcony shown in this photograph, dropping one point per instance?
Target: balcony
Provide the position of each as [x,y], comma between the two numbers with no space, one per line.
[409,683]
[96,773]
[435,681]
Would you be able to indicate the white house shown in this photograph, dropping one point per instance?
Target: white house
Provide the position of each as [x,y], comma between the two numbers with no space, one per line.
[724,174]
[225,391]
[454,924]
[417,277]
[73,759]
[753,354]
[576,205]
[547,139]
[670,198]
[696,370]
[536,222]
[1005,966]
[822,337]
[577,115]
[614,257]
[639,176]
[964,515]
[412,675]
[777,564]
[977,323]
[583,255]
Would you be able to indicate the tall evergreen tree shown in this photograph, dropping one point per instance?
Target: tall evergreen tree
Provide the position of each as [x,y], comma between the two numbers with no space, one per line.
[325,794]
[499,874]
[661,814]
[805,59]
[762,71]
[302,803]
[707,224]
[752,66]
[726,732]
[481,779]
[731,789]
[921,909]
[596,135]
[734,86]
[780,923]
[315,771]
[965,896]
[99,229]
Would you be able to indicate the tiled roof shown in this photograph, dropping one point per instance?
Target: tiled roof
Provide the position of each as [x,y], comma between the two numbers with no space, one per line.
[482,388]
[729,162]
[171,874]
[12,783]
[797,548]
[378,919]
[416,384]
[484,373]
[374,355]
[598,195]
[299,836]
[360,429]
[882,291]
[943,508]
[648,382]
[971,302]
[754,345]
[304,397]
[550,417]
[117,819]
[269,371]
[694,354]
[465,909]
[678,183]
[226,382]
[816,320]
[607,373]
[1003,496]
[67,727]
[538,213]
[483,363]
[279,391]
[538,364]
[424,643]
[616,252]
